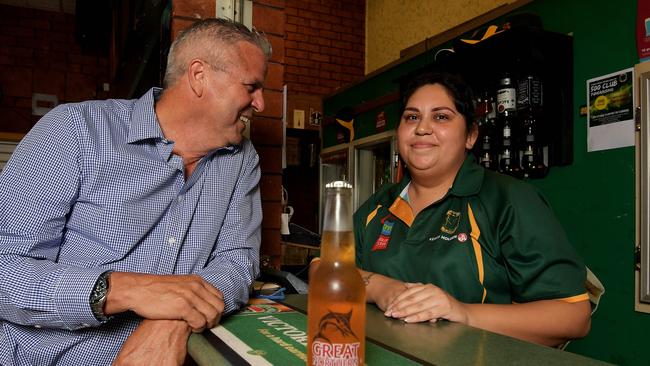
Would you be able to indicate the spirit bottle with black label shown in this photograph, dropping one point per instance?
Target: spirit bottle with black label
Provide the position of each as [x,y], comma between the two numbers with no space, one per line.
[529,104]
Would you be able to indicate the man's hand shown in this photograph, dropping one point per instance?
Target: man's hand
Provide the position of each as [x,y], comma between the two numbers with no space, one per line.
[155,342]
[172,297]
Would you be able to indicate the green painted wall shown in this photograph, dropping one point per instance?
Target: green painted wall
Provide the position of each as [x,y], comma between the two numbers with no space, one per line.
[593,197]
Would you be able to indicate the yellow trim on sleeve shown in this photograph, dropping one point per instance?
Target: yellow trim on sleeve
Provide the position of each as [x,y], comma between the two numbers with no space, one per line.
[570,299]
[475,234]
[577,298]
[372,214]
[402,210]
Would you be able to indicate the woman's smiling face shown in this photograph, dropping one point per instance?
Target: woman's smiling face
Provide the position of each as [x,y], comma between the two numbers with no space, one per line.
[432,135]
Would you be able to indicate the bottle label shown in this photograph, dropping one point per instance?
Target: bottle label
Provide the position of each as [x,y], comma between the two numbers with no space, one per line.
[506,99]
[530,138]
[529,93]
[506,132]
[343,354]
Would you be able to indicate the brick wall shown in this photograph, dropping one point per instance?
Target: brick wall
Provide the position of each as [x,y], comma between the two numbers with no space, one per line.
[266,129]
[324,44]
[39,54]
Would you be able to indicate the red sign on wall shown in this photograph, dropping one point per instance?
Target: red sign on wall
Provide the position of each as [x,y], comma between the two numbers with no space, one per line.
[380,121]
[643,30]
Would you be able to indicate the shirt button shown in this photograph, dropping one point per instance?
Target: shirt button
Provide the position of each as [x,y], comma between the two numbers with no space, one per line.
[37,326]
[180,198]
[171,241]
[86,325]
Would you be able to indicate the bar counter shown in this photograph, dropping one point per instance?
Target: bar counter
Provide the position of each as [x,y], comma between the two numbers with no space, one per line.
[441,343]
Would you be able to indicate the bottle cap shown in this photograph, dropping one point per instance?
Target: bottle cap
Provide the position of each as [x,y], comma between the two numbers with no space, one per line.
[338,184]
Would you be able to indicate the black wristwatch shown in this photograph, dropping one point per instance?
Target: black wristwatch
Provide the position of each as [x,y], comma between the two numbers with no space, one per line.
[98,297]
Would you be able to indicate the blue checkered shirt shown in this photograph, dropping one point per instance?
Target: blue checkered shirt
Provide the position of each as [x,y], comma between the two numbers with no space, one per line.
[94,186]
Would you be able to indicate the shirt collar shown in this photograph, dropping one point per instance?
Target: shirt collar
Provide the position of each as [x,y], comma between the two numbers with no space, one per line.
[469,178]
[144,123]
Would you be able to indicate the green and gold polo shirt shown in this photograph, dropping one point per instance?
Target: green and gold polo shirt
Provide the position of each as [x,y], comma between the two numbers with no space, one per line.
[490,239]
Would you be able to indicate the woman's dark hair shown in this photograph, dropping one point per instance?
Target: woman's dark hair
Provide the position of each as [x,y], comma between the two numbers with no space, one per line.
[460,92]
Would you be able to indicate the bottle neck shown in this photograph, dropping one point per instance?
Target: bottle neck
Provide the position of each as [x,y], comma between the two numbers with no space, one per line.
[338,247]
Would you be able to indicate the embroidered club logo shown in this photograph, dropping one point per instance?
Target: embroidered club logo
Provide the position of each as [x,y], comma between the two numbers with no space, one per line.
[462,237]
[451,222]
[384,236]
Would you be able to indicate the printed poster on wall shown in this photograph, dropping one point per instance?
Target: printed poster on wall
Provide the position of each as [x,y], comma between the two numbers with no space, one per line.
[610,111]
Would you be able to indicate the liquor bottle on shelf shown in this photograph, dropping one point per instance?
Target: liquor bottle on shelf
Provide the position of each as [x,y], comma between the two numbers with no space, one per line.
[336,304]
[509,156]
[529,105]
[506,94]
[486,117]
[506,106]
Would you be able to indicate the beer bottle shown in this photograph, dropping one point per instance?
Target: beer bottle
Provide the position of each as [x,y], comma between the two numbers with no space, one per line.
[336,306]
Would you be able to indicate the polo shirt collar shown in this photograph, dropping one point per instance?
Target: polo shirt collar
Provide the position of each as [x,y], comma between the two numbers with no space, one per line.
[468,182]
[469,178]
[144,123]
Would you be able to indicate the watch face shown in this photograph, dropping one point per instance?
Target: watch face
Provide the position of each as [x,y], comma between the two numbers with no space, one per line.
[100,289]
[98,297]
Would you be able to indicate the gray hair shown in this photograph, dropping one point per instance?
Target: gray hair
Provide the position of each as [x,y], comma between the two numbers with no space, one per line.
[205,39]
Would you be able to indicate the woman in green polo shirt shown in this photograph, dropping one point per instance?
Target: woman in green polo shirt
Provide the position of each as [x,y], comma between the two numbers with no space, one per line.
[455,241]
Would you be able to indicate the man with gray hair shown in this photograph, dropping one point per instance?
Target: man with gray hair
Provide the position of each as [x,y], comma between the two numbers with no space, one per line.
[125,225]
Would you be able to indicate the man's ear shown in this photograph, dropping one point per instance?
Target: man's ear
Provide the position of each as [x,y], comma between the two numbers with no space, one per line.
[472,135]
[197,76]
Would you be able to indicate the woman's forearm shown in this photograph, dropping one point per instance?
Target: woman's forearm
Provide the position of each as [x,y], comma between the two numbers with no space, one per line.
[547,322]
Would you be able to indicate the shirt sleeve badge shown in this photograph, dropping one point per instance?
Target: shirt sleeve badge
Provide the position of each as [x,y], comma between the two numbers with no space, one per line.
[384,236]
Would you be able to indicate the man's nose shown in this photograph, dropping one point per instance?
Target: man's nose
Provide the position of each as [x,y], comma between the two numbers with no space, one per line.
[258,100]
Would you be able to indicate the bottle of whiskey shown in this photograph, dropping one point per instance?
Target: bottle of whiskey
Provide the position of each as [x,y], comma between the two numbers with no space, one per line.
[529,105]
[506,94]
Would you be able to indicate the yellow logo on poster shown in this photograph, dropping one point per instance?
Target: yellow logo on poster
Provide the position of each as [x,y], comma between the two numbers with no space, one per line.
[601,102]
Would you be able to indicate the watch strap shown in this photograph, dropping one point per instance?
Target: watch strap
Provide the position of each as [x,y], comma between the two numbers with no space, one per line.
[98,297]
